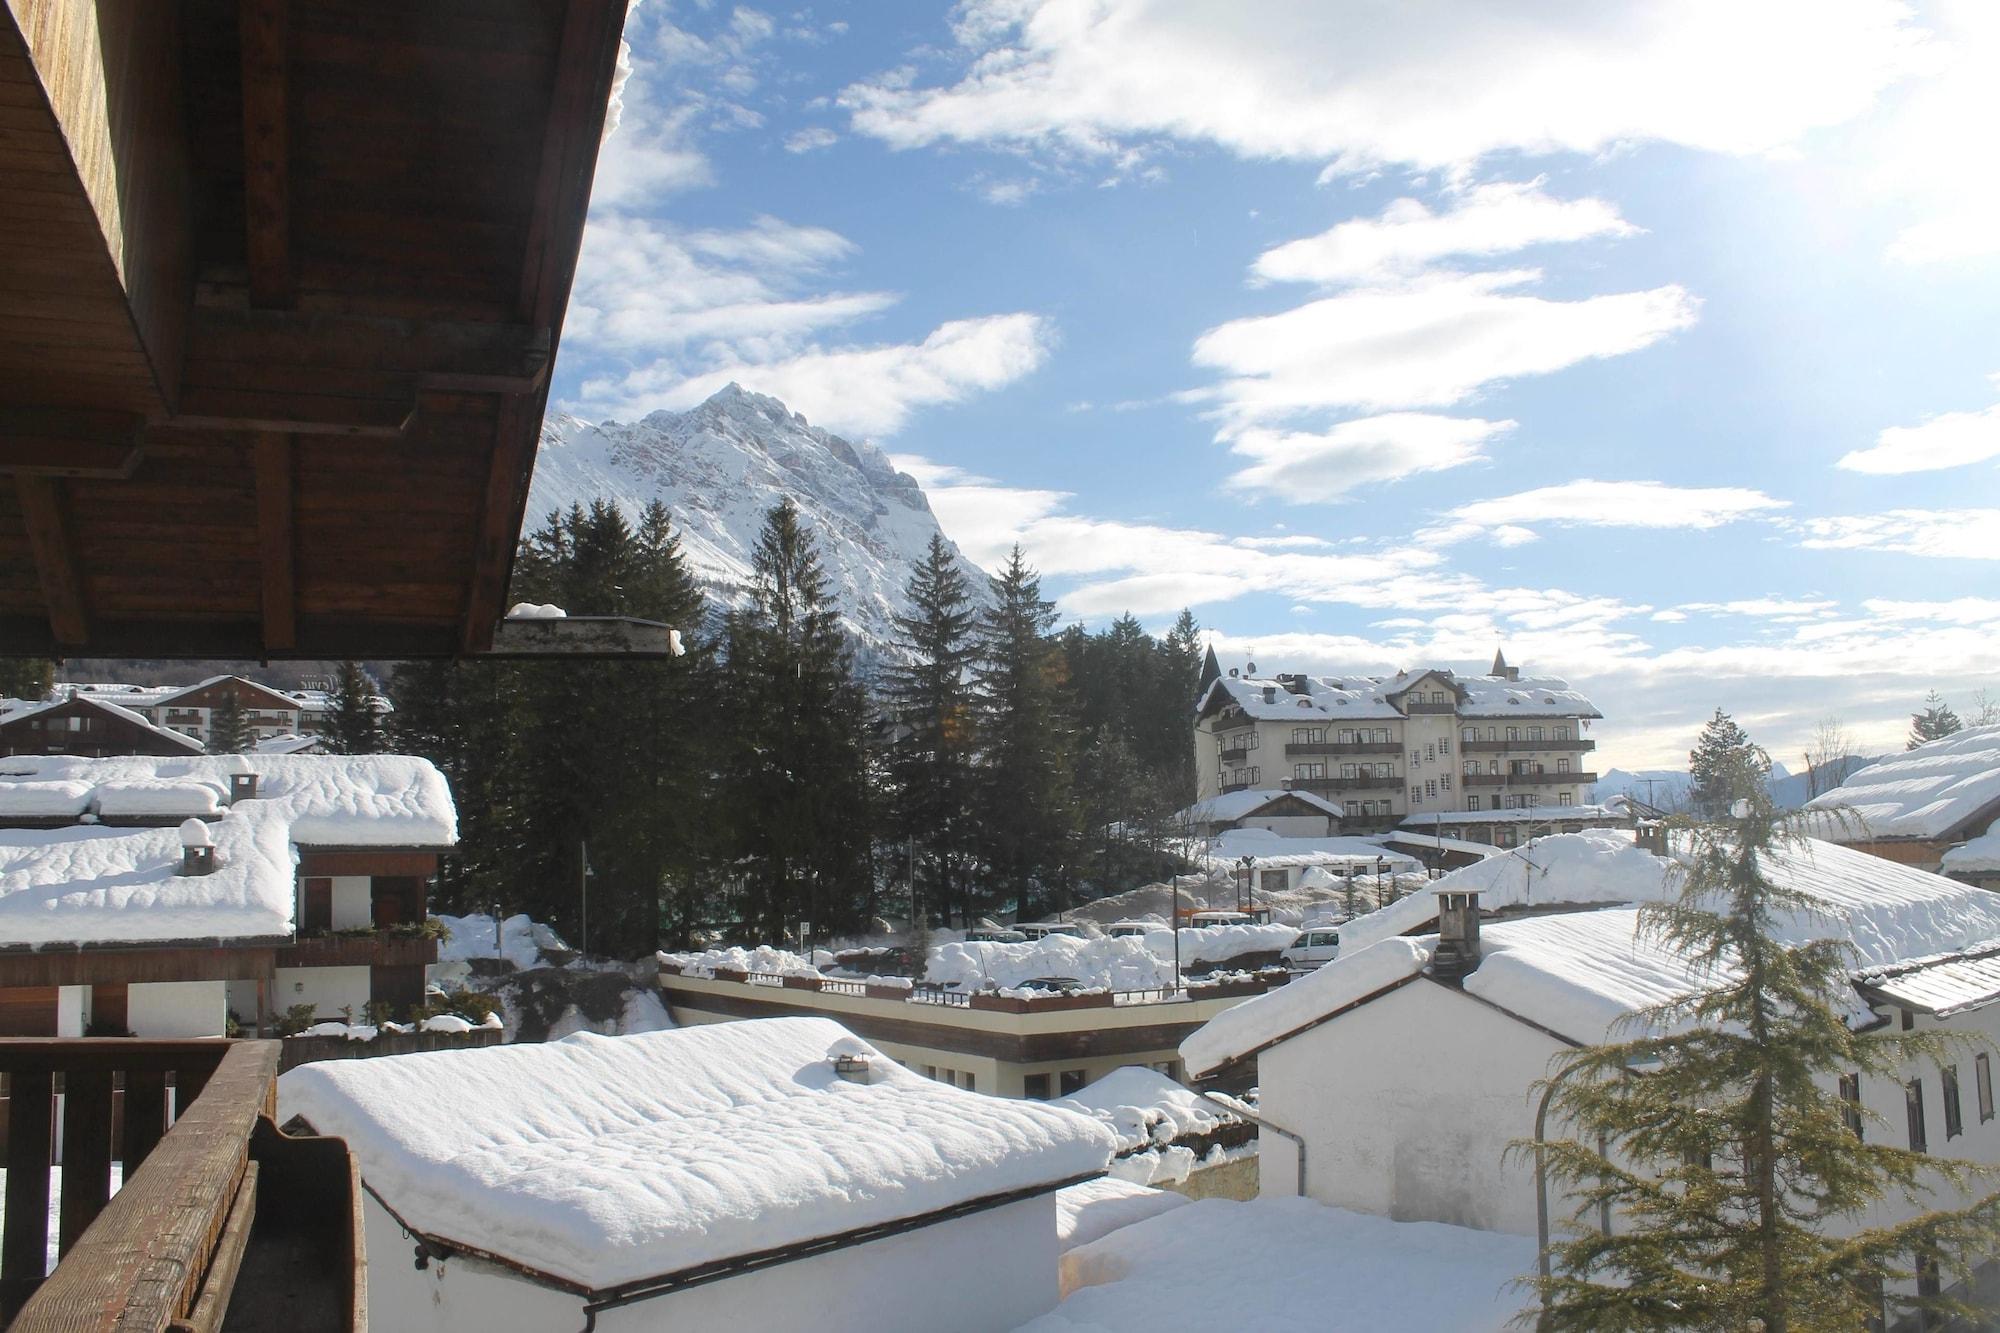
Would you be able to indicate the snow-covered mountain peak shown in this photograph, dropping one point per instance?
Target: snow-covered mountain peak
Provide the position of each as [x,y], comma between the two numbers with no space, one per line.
[721,465]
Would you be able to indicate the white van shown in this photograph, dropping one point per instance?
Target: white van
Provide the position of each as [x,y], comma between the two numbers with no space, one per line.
[1041,930]
[1203,920]
[1120,929]
[1320,944]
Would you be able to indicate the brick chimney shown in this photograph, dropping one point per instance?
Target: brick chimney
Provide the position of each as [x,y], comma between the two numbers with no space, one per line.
[1458,936]
[242,787]
[197,848]
[1651,836]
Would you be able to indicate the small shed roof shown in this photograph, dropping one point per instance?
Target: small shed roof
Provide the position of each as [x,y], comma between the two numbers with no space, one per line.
[605,1160]
[1932,791]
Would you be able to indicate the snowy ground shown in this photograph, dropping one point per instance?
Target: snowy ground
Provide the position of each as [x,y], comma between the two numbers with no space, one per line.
[520,942]
[1319,895]
[55,1205]
[1274,1264]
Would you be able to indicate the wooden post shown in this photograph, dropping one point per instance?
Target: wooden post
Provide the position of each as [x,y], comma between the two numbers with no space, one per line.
[24,1246]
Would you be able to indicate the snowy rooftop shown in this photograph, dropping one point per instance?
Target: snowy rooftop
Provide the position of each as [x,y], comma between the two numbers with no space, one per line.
[1976,856]
[1529,814]
[1578,971]
[87,883]
[1290,1264]
[1362,698]
[21,712]
[1144,1106]
[1945,985]
[1276,851]
[1234,805]
[603,1160]
[1928,792]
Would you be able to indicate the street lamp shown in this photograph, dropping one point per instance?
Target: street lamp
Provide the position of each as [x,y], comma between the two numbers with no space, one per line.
[1249,864]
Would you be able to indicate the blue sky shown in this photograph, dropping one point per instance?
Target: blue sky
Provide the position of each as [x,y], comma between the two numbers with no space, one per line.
[1659,342]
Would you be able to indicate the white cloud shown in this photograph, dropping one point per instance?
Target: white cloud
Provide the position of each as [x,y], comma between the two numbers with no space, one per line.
[865,390]
[1431,343]
[1431,83]
[1302,468]
[1931,153]
[811,140]
[1492,219]
[1781,609]
[1605,504]
[1951,440]
[1961,534]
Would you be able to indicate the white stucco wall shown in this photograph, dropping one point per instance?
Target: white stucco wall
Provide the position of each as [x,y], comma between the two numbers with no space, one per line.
[327,989]
[353,902]
[985,1273]
[1407,1106]
[177,1008]
[72,1010]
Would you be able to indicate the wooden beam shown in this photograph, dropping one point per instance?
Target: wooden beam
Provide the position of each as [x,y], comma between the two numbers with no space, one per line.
[263,28]
[585,637]
[275,541]
[296,414]
[45,511]
[251,348]
[60,442]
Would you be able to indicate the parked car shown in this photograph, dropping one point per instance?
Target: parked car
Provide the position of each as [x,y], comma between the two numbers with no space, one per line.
[1320,944]
[986,935]
[1041,930]
[1060,985]
[1123,928]
[1202,920]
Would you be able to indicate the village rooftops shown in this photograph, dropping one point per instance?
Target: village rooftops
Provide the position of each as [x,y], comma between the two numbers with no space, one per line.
[1583,963]
[1231,806]
[1527,814]
[71,875]
[1364,698]
[602,1161]
[12,711]
[1936,790]
[1274,851]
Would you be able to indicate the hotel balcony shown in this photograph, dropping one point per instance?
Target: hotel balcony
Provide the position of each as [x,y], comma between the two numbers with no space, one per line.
[1571,743]
[1424,706]
[1343,747]
[1548,778]
[1389,783]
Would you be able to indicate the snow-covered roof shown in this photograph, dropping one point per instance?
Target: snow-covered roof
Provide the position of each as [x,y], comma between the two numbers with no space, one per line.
[86,883]
[603,1160]
[1360,698]
[1418,842]
[118,710]
[168,697]
[1976,856]
[1275,851]
[1234,805]
[1577,971]
[1944,985]
[1096,1208]
[1143,1106]
[1928,792]
[1291,1264]
[1112,962]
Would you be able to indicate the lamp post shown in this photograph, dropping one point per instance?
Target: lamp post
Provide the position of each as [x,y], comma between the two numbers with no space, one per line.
[1249,864]
[1174,924]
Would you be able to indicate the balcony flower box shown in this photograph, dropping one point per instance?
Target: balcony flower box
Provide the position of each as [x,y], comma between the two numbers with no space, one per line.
[802,983]
[1042,1004]
[877,991]
[998,1004]
[1224,990]
[730,974]
[671,969]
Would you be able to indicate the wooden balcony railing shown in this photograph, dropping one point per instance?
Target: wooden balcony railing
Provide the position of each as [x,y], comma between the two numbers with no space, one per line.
[217,1196]
[1567,743]
[1343,747]
[1546,778]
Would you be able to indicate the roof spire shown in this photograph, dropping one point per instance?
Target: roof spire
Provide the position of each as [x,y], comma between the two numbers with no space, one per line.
[1499,663]
[1211,671]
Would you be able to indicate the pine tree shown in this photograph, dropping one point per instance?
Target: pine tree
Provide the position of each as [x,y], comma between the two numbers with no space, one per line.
[1717,1134]
[1028,823]
[228,729]
[928,698]
[353,727]
[1934,723]
[29,678]
[798,785]
[1726,766]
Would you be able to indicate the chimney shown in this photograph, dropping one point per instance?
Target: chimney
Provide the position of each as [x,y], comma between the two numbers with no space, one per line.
[242,787]
[851,1061]
[1294,683]
[1458,936]
[197,848]
[1270,694]
[1650,835]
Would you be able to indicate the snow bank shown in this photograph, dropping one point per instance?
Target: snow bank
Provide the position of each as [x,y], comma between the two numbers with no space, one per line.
[1125,962]
[521,942]
[1289,1263]
[763,958]
[1259,1021]
[157,798]
[1144,1106]
[536,611]
[1096,1208]
[63,799]
[603,1160]
[1922,793]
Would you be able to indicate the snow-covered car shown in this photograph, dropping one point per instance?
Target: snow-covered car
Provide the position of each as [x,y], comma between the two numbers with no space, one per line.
[1118,929]
[1203,920]
[985,935]
[1041,930]
[1320,944]
[1062,985]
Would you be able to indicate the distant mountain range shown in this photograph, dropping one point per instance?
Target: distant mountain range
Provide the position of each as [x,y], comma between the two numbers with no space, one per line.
[721,466]
[1668,788]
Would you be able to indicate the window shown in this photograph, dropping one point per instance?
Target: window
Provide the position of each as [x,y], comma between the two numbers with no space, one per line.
[1954,1118]
[1534,733]
[1430,789]
[1444,745]
[1444,782]
[1308,772]
[1273,881]
[1347,770]
[1562,765]
[1437,696]
[1072,1081]
[1470,735]
[1513,733]
[1562,733]
[1913,1109]
[1982,1077]
[1850,1102]
[1416,794]
[1566,798]
[1503,837]
[1347,736]
[1430,752]
[1929,1288]
[1416,758]
[1035,1087]
[1472,802]
[967,1084]
[1307,735]
[316,912]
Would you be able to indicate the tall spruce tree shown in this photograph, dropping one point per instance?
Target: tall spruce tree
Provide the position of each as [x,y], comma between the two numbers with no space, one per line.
[927,694]
[28,678]
[353,727]
[228,729]
[1716,1133]
[1028,821]
[798,785]
[1934,722]
[1725,765]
